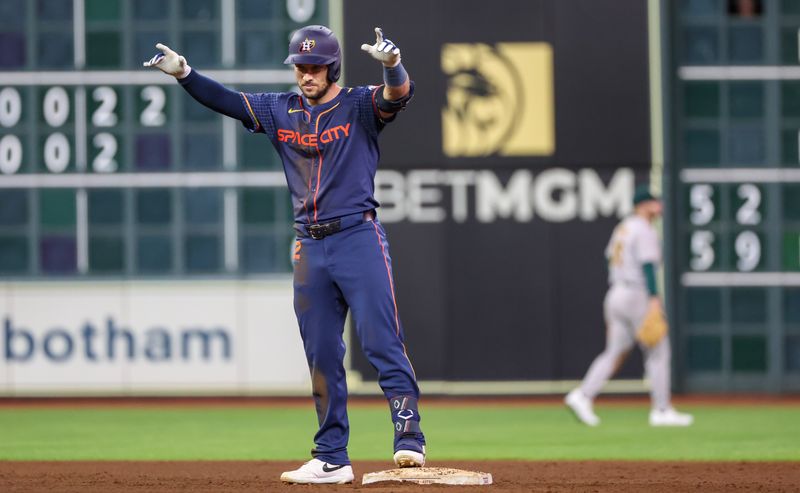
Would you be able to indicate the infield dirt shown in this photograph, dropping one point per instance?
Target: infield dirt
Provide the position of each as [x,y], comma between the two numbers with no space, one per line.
[509,476]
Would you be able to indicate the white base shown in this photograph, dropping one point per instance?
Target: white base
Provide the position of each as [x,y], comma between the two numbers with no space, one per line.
[429,475]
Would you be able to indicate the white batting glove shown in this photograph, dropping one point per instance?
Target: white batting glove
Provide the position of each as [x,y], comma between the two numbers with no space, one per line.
[169,62]
[383,50]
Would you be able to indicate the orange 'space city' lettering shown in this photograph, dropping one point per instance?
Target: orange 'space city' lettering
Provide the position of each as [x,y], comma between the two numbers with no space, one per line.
[311,140]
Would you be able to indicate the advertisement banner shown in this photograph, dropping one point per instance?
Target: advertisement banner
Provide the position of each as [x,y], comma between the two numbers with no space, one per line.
[141,337]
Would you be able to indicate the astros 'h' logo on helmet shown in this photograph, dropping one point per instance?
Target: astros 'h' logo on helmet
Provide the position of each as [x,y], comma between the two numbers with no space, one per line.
[307,45]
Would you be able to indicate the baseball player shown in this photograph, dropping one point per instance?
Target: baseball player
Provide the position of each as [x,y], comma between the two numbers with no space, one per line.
[327,138]
[634,255]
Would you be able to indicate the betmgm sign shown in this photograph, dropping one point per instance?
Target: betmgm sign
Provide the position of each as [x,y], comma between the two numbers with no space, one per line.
[553,195]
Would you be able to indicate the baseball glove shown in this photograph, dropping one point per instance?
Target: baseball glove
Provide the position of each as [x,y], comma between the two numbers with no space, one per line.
[653,328]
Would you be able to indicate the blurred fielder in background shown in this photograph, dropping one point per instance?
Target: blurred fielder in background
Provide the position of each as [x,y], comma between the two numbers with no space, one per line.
[633,311]
[327,138]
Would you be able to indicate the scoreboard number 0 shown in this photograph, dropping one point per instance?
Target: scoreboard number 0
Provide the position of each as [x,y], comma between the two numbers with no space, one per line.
[10,145]
[10,107]
[56,111]
[56,152]
[56,106]
[10,154]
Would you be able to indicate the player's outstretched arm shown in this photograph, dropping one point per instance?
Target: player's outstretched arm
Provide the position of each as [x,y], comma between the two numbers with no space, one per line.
[398,85]
[208,92]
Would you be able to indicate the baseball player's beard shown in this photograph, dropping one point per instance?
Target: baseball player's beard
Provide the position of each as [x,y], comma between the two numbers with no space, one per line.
[320,93]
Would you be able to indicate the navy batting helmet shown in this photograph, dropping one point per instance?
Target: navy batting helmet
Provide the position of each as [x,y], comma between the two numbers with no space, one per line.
[316,45]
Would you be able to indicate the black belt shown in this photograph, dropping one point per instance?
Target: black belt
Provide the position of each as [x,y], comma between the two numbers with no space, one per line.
[319,231]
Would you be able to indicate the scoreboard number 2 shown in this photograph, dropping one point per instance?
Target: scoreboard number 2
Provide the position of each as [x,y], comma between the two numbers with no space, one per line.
[748,212]
[153,114]
[104,162]
[104,115]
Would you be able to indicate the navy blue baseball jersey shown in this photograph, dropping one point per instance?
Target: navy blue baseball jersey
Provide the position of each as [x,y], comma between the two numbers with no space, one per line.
[329,151]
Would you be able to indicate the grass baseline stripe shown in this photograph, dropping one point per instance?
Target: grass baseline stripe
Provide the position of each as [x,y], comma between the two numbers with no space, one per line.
[532,432]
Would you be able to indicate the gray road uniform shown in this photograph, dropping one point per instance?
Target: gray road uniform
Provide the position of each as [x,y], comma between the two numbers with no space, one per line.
[634,243]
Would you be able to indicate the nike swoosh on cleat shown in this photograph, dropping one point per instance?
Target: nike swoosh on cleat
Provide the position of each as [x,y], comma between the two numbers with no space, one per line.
[327,468]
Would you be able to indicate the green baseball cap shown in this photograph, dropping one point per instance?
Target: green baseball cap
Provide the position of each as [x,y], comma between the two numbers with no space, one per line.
[642,194]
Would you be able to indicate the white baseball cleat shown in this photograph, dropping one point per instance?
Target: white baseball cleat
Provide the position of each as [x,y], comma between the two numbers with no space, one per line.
[670,417]
[582,407]
[409,458]
[317,472]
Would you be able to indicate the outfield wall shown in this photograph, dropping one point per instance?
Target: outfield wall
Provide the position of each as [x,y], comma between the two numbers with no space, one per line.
[499,186]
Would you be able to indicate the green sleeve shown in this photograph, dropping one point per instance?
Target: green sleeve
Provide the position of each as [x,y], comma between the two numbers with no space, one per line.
[650,278]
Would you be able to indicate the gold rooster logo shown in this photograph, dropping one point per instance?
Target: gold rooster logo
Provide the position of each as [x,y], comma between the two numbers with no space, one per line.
[499,99]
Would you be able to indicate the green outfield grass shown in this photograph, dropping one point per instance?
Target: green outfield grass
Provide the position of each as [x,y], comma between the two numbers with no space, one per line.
[535,432]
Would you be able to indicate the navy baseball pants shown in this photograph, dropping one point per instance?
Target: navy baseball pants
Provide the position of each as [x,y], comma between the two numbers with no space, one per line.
[352,269]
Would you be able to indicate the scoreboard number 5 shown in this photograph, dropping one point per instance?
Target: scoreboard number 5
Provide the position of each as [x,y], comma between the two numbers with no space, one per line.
[700,198]
[701,244]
